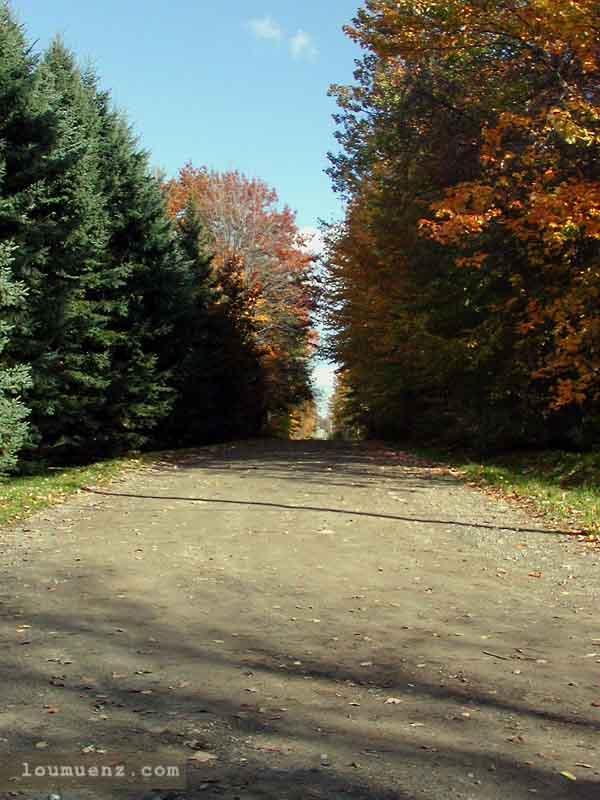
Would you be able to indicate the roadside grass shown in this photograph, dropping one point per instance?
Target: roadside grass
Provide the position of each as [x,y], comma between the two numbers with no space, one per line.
[22,496]
[562,485]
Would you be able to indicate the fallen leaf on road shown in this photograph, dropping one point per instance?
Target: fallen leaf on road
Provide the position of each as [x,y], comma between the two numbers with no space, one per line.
[202,757]
[568,775]
[393,701]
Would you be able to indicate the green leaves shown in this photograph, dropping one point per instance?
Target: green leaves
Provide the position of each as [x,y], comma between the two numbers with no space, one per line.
[464,280]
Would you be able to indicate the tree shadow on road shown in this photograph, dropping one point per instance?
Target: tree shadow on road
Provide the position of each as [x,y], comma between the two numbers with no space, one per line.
[179,685]
[327,510]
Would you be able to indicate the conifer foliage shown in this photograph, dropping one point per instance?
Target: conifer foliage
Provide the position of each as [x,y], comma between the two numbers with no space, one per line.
[116,329]
[260,259]
[14,379]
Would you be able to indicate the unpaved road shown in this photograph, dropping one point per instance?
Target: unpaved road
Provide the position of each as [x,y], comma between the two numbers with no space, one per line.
[328,621]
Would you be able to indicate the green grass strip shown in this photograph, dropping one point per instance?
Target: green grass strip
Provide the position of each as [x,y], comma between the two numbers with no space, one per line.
[562,485]
[24,495]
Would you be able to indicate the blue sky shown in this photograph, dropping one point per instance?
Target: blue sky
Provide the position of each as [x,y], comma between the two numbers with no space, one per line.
[237,85]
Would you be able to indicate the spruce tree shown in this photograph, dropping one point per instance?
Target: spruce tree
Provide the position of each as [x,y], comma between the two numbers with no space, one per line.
[142,251]
[215,364]
[190,355]
[14,379]
[71,349]
[28,133]
[240,393]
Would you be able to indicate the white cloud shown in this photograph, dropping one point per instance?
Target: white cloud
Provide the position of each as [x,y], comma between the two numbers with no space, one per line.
[302,46]
[266,28]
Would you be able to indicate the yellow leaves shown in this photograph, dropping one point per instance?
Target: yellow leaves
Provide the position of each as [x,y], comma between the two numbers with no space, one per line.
[569,210]
[557,36]
[515,86]
[589,64]
[568,775]
[548,176]
[465,212]
[474,262]
[456,226]
[563,121]
[262,313]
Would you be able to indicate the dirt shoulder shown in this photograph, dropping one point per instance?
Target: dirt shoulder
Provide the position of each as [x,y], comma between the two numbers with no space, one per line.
[306,620]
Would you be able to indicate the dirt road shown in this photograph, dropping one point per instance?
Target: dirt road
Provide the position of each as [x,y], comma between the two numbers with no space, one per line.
[307,620]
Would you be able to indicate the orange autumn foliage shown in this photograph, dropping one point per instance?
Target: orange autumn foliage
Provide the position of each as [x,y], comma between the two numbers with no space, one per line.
[471,163]
[530,71]
[260,255]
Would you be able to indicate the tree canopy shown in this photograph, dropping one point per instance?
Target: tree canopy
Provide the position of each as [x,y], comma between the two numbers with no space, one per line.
[465,278]
[133,313]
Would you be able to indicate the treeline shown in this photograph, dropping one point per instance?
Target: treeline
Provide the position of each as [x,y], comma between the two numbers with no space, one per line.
[122,326]
[464,281]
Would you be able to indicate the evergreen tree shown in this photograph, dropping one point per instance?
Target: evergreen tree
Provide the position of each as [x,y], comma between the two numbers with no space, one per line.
[28,132]
[14,379]
[142,251]
[216,370]
[190,352]
[70,347]
[128,336]
[240,406]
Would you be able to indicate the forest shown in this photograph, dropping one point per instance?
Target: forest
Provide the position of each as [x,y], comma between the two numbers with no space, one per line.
[199,599]
[135,312]
[459,291]
[463,284]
